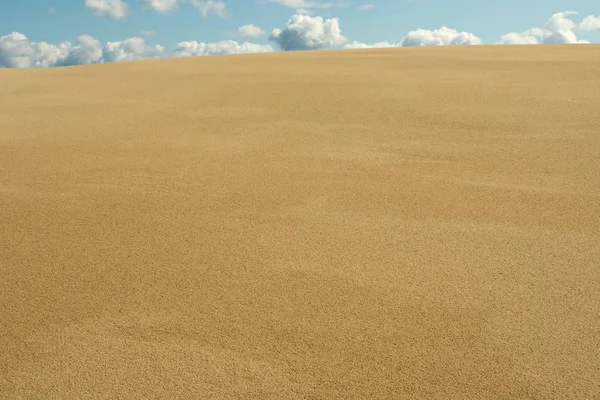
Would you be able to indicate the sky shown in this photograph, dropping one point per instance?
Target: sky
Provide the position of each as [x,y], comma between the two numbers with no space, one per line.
[52,33]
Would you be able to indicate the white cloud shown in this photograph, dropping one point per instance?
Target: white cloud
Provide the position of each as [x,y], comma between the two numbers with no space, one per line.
[88,50]
[304,11]
[439,37]
[207,7]
[300,33]
[107,8]
[518,38]
[378,45]
[17,51]
[250,31]
[425,37]
[307,7]
[130,49]
[560,22]
[590,23]
[193,48]
[367,7]
[161,6]
[306,4]
[148,33]
[558,29]
[303,32]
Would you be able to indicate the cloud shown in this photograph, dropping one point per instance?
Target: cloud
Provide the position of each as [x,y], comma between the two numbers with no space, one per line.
[378,45]
[303,32]
[130,49]
[306,4]
[161,6]
[558,29]
[590,23]
[439,37]
[17,51]
[304,11]
[367,7]
[559,21]
[107,8]
[148,33]
[250,31]
[193,48]
[207,7]
[425,37]
[88,50]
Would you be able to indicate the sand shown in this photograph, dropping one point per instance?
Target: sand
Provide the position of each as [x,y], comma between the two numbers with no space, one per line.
[393,223]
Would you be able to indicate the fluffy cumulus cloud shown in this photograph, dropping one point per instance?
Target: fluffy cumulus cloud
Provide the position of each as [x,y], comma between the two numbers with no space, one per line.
[250,31]
[425,37]
[17,51]
[133,48]
[216,7]
[87,50]
[107,8]
[193,48]
[439,37]
[558,29]
[590,23]
[161,6]
[303,32]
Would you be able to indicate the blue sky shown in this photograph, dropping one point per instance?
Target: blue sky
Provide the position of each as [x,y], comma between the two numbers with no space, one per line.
[387,21]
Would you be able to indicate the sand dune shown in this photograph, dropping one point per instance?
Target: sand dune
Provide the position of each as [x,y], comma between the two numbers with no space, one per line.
[397,223]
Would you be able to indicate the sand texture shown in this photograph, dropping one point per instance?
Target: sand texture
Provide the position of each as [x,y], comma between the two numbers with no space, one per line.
[362,224]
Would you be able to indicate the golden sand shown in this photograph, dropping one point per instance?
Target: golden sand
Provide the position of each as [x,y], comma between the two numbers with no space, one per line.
[399,223]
